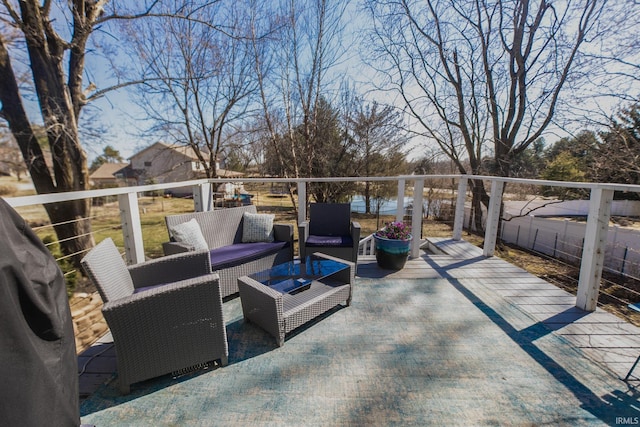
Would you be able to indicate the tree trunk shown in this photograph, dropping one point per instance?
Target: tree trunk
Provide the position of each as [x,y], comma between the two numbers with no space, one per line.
[14,113]
[479,197]
[60,118]
[367,197]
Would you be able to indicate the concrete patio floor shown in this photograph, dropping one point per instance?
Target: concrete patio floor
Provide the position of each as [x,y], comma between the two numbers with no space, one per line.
[452,339]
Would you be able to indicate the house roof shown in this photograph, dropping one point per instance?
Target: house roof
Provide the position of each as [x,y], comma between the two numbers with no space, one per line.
[107,170]
[185,150]
[188,152]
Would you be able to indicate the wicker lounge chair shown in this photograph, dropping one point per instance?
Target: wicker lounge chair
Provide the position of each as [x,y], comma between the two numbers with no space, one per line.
[165,315]
[330,231]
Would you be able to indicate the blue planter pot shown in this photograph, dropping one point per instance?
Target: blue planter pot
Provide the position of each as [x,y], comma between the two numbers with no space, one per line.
[391,254]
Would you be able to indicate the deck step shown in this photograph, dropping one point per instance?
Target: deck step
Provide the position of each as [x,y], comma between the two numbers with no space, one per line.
[453,248]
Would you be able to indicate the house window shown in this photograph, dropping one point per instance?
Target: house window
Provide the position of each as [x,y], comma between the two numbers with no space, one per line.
[147,164]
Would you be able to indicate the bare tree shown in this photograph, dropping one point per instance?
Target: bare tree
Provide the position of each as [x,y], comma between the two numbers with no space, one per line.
[378,134]
[293,77]
[61,97]
[617,158]
[199,79]
[614,64]
[53,38]
[10,156]
[57,71]
[480,77]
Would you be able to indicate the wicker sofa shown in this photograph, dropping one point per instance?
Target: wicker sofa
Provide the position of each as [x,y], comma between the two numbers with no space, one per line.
[231,258]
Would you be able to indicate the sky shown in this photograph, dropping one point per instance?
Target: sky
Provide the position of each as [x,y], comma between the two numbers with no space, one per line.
[122,117]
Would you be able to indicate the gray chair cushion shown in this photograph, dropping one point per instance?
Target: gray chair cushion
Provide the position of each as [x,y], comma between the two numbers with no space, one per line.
[330,219]
[108,271]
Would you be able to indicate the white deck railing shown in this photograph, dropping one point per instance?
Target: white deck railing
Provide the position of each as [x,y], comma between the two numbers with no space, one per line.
[367,246]
[593,250]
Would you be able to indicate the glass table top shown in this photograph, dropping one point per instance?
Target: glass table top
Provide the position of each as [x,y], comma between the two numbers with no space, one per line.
[296,276]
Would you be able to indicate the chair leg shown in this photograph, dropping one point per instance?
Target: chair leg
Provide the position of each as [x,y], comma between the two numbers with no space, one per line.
[632,368]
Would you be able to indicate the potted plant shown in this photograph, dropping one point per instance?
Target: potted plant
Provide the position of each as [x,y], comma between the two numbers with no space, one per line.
[392,245]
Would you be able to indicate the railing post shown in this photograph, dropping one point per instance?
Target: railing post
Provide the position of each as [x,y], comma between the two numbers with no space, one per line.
[302,201]
[131,230]
[400,200]
[595,240]
[416,218]
[493,218]
[458,221]
[202,197]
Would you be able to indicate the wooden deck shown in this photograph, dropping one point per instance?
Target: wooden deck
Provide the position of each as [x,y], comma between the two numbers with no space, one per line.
[599,336]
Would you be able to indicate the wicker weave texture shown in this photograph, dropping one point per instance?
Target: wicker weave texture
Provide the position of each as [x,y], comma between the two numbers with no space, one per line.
[279,313]
[305,306]
[223,227]
[322,220]
[109,273]
[166,328]
[220,227]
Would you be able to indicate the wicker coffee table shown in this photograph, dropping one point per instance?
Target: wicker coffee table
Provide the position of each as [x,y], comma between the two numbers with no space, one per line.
[289,295]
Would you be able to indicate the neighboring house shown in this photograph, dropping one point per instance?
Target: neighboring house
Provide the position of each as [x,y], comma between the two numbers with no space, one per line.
[112,175]
[162,162]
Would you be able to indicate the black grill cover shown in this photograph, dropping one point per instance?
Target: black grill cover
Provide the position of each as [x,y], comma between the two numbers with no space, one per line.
[38,362]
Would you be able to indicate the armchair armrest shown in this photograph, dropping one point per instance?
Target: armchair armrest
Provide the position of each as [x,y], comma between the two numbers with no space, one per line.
[355,231]
[303,235]
[303,231]
[171,248]
[283,232]
[170,268]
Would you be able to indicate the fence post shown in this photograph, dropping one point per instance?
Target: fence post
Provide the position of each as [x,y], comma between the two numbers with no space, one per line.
[416,218]
[400,200]
[458,220]
[595,241]
[131,229]
[302,201]
[565,238]
[202,197]
[493,218]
